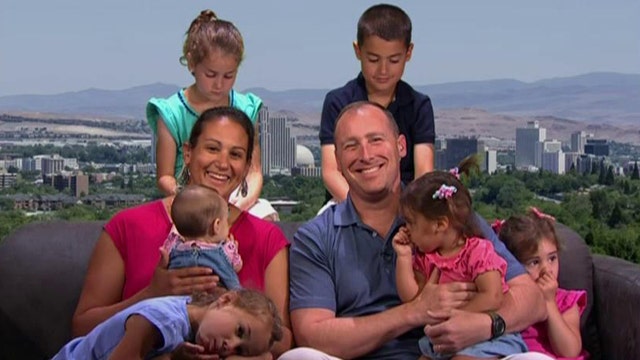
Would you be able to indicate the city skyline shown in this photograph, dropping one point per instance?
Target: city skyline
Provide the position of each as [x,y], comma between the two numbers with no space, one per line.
[51,48]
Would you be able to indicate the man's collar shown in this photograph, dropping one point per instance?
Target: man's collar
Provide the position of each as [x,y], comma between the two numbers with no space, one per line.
[345,213]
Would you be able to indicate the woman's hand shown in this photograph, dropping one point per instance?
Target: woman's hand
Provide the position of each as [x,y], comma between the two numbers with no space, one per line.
[402,243]
[183,281]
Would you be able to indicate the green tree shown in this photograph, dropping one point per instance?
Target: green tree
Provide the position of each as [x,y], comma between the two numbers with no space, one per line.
[602,173]
[635,174]
[609,178]
[601,203]
[616,217]
[11,220]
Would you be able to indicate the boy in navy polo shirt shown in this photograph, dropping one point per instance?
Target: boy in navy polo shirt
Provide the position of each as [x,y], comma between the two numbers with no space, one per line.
[383,47]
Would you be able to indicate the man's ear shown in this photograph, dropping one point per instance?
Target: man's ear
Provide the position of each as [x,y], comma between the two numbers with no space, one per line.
[409,52]
[402,145]
[335,154]
[356,49]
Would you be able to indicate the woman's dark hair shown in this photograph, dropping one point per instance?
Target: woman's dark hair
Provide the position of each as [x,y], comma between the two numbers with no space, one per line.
[217,114]
[522,234]
[420,197]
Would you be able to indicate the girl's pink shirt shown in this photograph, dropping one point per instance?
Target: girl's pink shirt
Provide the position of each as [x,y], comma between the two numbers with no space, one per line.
[537,337]
[139,232]
[476,257]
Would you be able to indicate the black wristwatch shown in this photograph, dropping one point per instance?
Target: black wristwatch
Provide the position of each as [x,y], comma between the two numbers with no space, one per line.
[498,326]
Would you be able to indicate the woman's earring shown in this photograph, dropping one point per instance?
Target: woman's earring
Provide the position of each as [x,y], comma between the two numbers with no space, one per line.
[185,176]
[244,188]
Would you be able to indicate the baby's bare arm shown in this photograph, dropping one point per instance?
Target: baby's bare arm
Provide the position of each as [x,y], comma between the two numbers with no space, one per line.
[489,296]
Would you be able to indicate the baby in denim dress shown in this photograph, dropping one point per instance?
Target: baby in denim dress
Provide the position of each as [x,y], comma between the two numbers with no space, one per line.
[200,235]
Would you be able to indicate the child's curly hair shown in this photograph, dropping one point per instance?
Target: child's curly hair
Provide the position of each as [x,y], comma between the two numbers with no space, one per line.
[523,233]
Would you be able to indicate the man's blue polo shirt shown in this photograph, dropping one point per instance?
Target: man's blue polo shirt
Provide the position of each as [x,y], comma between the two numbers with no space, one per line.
[411,110]
[340,264]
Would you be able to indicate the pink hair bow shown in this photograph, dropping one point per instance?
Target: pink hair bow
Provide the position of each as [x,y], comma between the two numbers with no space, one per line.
[445,192]
[455,172]
[497,225]
[541,215]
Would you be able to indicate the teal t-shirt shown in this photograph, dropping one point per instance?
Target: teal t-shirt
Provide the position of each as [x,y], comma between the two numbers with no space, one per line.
[179,117]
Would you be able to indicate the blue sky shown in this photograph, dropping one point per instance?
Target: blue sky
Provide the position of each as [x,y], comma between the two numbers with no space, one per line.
[49,47]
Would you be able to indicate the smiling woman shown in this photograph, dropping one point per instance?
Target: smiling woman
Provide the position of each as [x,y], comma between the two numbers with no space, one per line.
[127,267]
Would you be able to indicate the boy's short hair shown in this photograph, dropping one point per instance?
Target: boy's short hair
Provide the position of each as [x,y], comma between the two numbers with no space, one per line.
[385,21]
[195,208]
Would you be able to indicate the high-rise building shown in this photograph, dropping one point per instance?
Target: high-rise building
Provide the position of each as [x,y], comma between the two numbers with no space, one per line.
[571,160]
[553,161]
[490,163]
[28,164]
[586,163]
[578,140]
[458,149]
[52,165]
[7,180]
[79,185]
[528,148]
[551,146]
[597,147]
[277,145]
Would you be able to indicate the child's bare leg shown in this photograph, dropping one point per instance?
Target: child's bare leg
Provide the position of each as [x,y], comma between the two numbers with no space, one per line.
[424,358]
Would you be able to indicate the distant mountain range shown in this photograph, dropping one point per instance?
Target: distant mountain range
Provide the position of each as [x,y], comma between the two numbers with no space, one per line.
[609,98]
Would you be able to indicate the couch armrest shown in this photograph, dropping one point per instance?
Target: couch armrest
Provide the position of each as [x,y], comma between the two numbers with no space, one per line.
[617,304]
[42,267]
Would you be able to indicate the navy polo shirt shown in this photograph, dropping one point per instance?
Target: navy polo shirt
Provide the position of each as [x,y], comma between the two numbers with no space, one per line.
[411,110]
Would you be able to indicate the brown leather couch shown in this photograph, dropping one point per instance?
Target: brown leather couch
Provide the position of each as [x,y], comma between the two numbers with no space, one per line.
[42,268]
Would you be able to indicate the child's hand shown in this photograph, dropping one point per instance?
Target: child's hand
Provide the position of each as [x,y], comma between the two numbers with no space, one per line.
[549,286]
[233,239]
[168,185]
[189,351]
[402,243]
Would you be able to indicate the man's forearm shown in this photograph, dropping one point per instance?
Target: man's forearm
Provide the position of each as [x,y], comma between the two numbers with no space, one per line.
[523,305]
[357,336]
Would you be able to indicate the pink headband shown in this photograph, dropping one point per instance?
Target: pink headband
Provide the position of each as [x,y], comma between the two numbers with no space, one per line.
[541,215]
[455,172]
[497,225]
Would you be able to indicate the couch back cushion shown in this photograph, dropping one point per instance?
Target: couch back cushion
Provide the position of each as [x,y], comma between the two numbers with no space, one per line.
[576,273]
[43,267]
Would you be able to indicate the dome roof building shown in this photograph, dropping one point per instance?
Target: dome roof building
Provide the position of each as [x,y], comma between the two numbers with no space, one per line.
[304,157]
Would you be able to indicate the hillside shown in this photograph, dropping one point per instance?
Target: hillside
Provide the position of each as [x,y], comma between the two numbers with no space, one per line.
[605,104]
